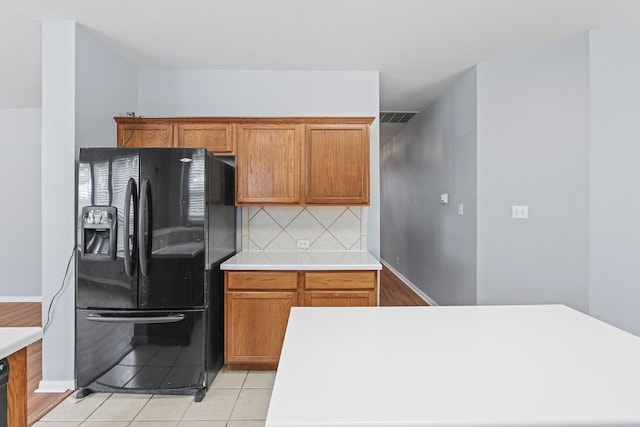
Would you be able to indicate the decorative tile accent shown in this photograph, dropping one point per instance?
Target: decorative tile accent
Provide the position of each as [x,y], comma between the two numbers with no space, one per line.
[326,227]
[283,242]
[346,229]
[357,210]
[326,215]
[305,226]
[253,210]
[283,215]
[326,242]
[263,229]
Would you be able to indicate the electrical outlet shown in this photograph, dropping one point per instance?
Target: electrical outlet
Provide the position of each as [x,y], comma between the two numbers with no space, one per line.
[302,244]
[397,260]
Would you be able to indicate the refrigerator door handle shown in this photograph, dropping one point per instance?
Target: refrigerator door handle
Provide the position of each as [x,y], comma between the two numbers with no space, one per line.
[145,234]
[131,240]
[170,318]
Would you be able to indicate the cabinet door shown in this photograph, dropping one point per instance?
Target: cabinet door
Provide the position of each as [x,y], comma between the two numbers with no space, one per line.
[337,164]
[145,135]
[268,164]
[339,298]
[215,137]
[255,327]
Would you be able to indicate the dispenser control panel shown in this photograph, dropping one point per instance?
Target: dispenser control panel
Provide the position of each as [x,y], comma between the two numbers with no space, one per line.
[99,233]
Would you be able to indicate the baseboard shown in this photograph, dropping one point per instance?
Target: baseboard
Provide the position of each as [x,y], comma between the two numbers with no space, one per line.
[407,282]
[21,299]
[55,386]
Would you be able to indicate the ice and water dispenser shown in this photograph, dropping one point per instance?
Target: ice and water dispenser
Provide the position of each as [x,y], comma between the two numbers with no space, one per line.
[99,232]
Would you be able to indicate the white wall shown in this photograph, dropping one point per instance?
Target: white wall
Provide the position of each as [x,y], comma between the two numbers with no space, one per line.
[106,86]
[429,243]
[84,86]
[533,149]
[614,182]
[270,94]
[20,252]
[58,171]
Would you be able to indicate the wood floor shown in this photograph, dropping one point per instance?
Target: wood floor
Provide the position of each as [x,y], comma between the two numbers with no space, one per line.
[393,292]
[29,314]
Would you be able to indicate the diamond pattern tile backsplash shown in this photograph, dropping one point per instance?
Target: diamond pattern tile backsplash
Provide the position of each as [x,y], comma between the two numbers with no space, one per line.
[325,227]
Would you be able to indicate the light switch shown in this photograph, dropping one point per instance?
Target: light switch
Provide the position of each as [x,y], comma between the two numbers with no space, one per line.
[460,209]
[444,198]
[520,212]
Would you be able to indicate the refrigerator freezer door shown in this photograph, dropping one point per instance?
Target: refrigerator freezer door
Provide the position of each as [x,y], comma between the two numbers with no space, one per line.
[108,177]
[140,351]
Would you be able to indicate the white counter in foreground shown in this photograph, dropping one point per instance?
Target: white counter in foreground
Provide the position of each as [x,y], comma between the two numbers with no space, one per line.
[454,366]
[14,339]
[302,260]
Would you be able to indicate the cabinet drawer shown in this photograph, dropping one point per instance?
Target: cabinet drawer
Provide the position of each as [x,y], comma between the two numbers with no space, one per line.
[259,280]
[339,298]
[340,280]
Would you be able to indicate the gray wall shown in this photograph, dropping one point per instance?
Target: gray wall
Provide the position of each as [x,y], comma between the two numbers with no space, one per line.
[428,242]
[533,149]
[614,181]
[557,130]
[83,85]
[20,256]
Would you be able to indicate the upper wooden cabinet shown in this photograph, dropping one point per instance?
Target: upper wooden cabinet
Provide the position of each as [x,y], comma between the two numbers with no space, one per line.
[145,135]
[279,161]
[214,134]
[303,161]
[268,163]
[337,164]
[215,137]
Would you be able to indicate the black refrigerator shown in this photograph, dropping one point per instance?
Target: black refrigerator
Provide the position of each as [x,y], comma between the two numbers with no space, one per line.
[153,227]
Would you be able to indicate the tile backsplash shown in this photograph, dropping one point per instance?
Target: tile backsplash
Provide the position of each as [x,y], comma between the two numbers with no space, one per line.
[325,227]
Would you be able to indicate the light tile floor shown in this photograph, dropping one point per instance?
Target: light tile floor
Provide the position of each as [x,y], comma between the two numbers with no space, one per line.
[235,399]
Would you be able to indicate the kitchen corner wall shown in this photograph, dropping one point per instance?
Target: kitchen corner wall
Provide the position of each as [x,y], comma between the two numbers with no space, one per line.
[427,241]
[76,112]
[325,227]
[278,94]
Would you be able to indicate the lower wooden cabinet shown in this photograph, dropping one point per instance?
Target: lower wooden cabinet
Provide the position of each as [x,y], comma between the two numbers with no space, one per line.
[256,325]
[257,306]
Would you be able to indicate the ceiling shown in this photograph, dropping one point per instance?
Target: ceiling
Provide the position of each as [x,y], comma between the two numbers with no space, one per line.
[418,46]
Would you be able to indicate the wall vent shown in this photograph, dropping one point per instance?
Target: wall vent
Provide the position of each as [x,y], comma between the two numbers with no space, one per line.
[396,116]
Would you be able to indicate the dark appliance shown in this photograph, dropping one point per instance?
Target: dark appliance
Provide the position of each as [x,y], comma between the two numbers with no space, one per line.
[4,380]
[154,225]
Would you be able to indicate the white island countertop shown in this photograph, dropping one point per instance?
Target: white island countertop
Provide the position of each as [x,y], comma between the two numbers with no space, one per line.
[302,260]
[499,366]
[13,339]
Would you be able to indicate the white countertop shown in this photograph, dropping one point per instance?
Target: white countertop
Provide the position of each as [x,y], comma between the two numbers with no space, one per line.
[14,339]
[302,260]
[485,366]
